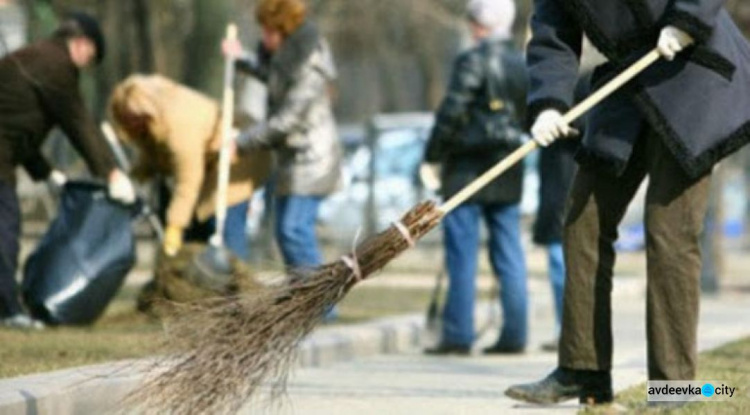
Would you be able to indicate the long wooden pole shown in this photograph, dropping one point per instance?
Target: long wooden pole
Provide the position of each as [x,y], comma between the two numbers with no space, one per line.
[227,112]
[503,165]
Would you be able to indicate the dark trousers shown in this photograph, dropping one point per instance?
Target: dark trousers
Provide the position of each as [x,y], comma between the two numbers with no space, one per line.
[675,208]
[10,230]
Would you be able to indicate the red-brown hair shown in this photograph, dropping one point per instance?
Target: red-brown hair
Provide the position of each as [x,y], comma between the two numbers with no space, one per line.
[282,15]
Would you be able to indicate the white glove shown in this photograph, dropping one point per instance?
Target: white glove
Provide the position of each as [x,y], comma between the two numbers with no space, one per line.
[549,126]
[673,41]
[56,180]
[429,174]
[121,188]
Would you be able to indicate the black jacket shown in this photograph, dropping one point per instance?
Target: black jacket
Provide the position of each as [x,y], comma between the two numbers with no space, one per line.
[699,104]
[39,90]
[469,95]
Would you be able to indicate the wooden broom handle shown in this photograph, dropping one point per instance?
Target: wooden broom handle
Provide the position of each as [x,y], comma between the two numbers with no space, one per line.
[503,165]
[227,112]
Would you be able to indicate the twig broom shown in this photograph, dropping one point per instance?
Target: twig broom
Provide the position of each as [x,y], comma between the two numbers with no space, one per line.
[224,350]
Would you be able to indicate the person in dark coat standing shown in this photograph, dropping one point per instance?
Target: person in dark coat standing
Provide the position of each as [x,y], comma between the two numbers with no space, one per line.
[476,126]
[672,124]
[38,91]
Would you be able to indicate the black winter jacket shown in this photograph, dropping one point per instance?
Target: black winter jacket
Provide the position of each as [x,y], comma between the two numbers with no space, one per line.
[469,95]
[699,104]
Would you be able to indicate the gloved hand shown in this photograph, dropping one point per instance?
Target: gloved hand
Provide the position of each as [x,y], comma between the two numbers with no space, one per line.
[56,180]
[673,41]
[232,48]
[549,126]
[121,188]
[172,242]
[253,137]
[429,173]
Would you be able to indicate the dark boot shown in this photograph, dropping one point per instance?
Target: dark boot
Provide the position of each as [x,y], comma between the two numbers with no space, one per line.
[498,348]
[590,387]
[448,349]
[596,387]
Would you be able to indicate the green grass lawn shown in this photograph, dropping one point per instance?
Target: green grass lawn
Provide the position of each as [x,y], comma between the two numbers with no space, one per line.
[729,364]
[123,333]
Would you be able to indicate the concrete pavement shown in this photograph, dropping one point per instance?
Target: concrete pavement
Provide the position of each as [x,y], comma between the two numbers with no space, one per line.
[377,367]
[410,383]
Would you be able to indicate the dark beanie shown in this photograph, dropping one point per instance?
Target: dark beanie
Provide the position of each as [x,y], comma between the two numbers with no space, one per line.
[90,28]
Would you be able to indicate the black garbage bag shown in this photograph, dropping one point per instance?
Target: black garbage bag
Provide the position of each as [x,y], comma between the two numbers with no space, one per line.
[83,258]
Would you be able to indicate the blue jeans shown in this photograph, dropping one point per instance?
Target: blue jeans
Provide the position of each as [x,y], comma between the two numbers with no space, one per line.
[556,272]
[461,228]
[235,230]
[295,230]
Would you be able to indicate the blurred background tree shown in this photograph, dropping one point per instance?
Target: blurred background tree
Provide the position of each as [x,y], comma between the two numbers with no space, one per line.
[393,55]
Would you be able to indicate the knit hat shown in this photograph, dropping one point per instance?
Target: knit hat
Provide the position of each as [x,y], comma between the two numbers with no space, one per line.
[89,28]
[497,15]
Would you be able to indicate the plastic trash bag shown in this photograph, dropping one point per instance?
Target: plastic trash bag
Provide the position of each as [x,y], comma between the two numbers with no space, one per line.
[82,260]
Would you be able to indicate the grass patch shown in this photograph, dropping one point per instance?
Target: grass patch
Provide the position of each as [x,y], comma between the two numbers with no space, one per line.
[124,333]
[729,364]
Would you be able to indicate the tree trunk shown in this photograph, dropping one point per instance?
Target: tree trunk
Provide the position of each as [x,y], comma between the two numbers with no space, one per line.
[143,33]
[203,63]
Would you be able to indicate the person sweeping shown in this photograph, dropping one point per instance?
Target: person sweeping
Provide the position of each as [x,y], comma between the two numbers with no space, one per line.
[296,64]
[226,349]
[672,124]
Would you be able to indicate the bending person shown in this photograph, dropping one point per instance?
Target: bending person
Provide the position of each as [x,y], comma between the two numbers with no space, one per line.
[178,135]
[39,90]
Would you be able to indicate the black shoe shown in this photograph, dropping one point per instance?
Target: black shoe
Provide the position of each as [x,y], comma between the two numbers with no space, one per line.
[596,387]
[501,349]
[558,386]
[443,349]
[589,387]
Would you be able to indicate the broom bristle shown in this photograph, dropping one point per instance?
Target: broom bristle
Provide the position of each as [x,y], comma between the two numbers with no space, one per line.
[222,350]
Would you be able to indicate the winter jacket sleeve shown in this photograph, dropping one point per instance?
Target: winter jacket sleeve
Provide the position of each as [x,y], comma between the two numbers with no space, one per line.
[255,64]
[62,100]
[466,80]
[696,17]
[310,84]
[189,170]
[553,58]
[37,166]
[518,83]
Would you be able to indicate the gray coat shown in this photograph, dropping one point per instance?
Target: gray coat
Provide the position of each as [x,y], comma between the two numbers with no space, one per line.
[699,104]
[300,127]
